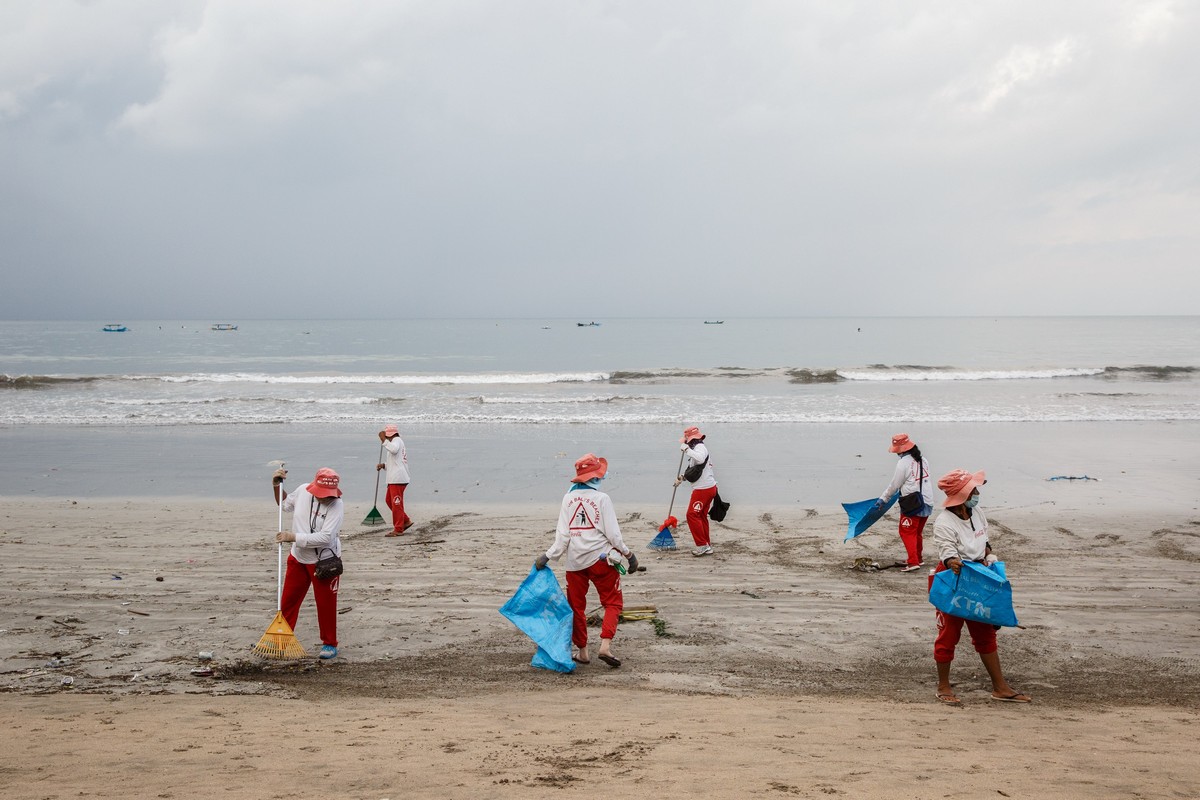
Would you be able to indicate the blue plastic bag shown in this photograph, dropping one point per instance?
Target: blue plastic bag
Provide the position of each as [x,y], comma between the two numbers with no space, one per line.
[863,515]
[977,592]
[540,610]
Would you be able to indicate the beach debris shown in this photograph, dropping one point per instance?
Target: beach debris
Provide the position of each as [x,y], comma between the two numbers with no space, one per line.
[628,614]
[116,577]
[202,672]
[752,594]
[57,662]
[1072,478]
[865,564]
[122,631]
[158,578]
[206,655]
[67,680]
[139,613]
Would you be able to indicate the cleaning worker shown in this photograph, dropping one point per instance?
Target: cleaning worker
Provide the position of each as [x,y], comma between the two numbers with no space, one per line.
[911,479]
[698,472]
[589,536]
[317,513]
[961,534]
[395,461]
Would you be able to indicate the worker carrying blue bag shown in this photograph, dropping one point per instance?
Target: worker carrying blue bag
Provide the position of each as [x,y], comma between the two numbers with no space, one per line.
[966,589]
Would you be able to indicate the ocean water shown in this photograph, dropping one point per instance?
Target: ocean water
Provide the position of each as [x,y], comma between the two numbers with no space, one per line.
[621,372]
[506,395]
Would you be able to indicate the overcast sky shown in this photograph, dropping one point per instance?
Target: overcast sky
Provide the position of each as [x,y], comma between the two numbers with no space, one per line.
[238,159]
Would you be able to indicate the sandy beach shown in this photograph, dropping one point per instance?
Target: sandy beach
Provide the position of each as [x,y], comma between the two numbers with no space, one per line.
[774,668]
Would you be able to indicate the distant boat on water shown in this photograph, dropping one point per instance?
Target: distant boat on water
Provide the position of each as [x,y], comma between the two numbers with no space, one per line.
[588,324]
[714,322]
[114,327]
[224,326]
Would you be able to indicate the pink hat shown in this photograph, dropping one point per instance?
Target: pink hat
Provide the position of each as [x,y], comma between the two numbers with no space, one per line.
[325,484]
[959,484]
[390,431]
[691,433]
[588,467]
[901,443]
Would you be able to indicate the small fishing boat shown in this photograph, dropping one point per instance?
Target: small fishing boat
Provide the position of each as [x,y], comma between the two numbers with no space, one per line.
[224,326]
[714,322]
[588,324]
[114,327]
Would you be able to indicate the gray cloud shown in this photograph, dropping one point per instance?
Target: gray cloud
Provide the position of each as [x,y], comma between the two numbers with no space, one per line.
[234,159]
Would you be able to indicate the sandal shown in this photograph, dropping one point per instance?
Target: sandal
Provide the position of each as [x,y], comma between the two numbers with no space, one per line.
[949,698]
[1015,697]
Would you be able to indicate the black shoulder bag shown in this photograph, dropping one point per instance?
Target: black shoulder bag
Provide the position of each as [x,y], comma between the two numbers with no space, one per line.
[328,567]
[911,503]
[693,473]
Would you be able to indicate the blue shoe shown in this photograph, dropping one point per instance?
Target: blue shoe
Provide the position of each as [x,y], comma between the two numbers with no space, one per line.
[328,651]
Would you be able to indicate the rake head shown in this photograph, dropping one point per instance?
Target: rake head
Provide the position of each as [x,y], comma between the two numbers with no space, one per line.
[374,518]
[664,540]
[279,642]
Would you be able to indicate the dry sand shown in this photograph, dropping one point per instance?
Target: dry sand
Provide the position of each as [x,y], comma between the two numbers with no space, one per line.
[774,669]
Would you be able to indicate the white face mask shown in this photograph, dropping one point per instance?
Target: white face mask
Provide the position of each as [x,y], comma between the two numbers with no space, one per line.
[972,501]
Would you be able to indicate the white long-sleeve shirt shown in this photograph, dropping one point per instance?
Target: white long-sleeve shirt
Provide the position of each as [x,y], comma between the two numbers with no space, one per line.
[696,455]
[395,460]
[964,539]
[315,524]
[904,479]
[587,530]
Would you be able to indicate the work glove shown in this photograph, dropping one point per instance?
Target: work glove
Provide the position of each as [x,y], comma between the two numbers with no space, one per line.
[541,561]
[633,565]
[879,505]
[683,447]
[278,477]
[989,559]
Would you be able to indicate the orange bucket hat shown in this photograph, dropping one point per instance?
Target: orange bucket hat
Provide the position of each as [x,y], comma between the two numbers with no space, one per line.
[325,484]
[901,443]
[959,484]
[589,467]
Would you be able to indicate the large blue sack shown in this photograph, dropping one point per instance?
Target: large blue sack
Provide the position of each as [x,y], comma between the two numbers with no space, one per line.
[863,515]
[977,592]
[540,609]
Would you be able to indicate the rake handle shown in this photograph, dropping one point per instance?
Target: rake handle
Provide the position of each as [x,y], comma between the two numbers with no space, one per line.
[377,471]
[675,489]
[279,558]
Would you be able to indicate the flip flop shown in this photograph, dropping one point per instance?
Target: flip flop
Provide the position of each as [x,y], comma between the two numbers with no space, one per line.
[580,660]
[393,533]
[612,661]
[1015,697]
[948,699]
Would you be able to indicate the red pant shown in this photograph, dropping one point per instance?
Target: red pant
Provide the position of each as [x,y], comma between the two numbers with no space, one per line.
[983,635]
[296,581]
[697,516]
[911,529]
[608,586]
[395,501]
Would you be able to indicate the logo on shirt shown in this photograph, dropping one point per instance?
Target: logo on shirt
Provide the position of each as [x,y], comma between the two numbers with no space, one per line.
[583,518]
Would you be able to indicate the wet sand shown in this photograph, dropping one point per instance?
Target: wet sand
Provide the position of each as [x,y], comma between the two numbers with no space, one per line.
[774,669]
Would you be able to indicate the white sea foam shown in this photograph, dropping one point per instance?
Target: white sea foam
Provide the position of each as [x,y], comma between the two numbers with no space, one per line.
[419,380]
[936,374]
